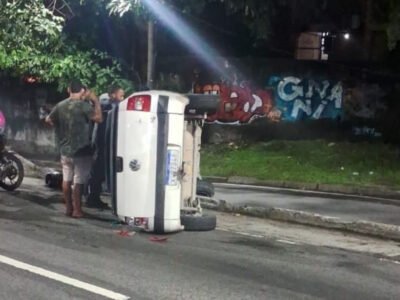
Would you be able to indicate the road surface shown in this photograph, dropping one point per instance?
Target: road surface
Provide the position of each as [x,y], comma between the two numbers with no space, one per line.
[44,255]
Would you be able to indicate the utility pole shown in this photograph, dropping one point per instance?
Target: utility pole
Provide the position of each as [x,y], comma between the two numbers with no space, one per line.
[150,53]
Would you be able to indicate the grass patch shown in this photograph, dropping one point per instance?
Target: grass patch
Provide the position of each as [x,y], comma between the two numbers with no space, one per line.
[306,161]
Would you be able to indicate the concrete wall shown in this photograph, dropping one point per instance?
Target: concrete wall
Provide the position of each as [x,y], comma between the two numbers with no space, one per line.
[361,100]
[26,132]
[320,100]
[263,130]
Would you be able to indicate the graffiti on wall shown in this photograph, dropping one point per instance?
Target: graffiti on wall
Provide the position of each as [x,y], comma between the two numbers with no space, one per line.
[286,99]
[366,131]
[307,99]
[240,103]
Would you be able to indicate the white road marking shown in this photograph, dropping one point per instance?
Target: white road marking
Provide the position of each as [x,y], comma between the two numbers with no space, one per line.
[9,208]
[256,236]
[287,242]
[63,279]
[250,235]
[397,254]
[396,262]
[241,233]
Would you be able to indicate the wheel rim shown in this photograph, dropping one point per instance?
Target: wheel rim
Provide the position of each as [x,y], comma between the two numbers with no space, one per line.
[12,174]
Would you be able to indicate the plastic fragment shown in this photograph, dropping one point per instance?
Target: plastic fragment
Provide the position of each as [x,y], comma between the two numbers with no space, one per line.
[158,239]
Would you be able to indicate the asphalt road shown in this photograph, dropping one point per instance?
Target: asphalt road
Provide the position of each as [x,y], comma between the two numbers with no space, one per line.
[223,264]
[346,209]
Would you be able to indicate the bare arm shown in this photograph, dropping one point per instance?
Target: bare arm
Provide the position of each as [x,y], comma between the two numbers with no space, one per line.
[49,121]
[52,116]
[97,115]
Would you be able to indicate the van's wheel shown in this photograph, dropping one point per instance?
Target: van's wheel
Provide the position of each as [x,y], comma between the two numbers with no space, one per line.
[199,223]
[200,104]
[205,188]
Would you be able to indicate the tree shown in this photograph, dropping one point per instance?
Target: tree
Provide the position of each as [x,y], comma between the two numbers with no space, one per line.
[32,44]
[121,7]
[138,7]
[37,30]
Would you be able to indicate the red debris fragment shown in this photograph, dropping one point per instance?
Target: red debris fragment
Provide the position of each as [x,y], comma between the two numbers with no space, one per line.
[158,239]
[125,233]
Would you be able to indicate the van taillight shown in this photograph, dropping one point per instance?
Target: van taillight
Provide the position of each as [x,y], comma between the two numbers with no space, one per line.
[139,103]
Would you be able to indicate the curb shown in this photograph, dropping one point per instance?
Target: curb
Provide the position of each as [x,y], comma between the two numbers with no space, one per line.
[338,190]
[372,229]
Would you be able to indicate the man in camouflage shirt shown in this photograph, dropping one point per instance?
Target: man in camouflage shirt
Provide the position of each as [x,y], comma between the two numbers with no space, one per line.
[71,119]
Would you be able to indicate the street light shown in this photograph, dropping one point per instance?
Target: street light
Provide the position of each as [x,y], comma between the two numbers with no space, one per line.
[346,36]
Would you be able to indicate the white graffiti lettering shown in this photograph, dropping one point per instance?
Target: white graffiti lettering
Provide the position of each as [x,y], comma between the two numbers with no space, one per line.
[246,107]
[318,112]
[314,86]
[257,103]
[300,105]
[337,95]
[296,90]
[315,99]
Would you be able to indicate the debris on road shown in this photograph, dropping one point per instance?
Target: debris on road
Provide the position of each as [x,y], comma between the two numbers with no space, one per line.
[158,239]
[125,233]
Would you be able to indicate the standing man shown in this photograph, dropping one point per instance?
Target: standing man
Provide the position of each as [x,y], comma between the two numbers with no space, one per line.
[71,119]
[98,173]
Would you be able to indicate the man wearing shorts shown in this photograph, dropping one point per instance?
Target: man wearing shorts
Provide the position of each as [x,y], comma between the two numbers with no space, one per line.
[71,119]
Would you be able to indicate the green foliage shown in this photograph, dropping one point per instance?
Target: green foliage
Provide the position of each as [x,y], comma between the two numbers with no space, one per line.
[121,7]
[138,7]
[29,25]
[32,44]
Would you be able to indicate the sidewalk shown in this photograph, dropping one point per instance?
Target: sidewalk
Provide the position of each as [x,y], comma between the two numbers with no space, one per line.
[359,216]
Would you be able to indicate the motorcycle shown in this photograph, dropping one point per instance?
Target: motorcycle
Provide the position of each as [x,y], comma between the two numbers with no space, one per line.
[11,168]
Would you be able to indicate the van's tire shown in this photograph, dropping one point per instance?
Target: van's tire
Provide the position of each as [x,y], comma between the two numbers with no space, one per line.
[200,104]
[199,223]
[205,188]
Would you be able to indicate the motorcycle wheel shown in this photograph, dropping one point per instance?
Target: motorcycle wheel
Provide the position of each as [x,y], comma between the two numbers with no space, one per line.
[14,172]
